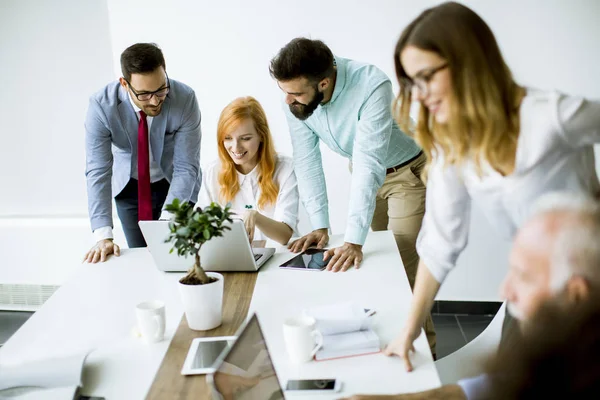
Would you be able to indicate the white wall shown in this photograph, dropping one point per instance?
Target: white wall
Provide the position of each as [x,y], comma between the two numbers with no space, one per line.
[54,55]
[63,51]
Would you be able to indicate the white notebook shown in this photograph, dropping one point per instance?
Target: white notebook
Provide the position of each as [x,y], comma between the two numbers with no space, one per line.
[348,344]
[50,379]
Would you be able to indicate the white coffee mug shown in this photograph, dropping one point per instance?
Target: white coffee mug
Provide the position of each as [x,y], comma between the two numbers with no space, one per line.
[151,320]
[302,339]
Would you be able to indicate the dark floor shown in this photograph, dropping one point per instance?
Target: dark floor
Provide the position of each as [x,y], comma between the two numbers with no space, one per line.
[456,330]
[10,321]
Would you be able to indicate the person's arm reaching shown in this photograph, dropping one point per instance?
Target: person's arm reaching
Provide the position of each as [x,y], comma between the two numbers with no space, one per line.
[368,173]
[186,154]
[311,183]
[98,173]
[278,231]
[368,161]
[285,218]
[426,287]
[443,236]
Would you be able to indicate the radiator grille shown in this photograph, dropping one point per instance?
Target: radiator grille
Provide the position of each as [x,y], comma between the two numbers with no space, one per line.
[24,297]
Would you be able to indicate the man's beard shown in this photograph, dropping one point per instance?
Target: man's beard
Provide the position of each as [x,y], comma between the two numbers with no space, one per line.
[153,111]
[303,111]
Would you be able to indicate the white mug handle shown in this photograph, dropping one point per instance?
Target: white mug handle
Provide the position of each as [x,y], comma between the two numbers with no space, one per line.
[157,320]
[319,340]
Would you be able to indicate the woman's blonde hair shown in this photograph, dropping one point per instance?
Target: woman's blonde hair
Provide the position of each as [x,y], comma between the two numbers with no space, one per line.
[233,114]
[483,125]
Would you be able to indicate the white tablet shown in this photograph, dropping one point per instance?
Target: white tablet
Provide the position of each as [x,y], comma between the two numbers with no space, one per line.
[203,353]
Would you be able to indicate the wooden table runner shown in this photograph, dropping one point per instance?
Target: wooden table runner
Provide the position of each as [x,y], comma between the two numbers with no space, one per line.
[168,382]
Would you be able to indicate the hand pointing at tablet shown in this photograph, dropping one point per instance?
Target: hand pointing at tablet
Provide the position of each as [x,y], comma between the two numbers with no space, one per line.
[318,237]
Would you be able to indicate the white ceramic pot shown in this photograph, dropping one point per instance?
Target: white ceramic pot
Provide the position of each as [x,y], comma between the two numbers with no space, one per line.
[203,304]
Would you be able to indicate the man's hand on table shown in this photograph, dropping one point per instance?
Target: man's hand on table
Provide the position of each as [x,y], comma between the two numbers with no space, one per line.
[101,250]
[318,237]
[344,257]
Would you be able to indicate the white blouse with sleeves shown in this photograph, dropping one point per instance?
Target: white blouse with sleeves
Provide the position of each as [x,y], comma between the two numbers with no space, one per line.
[554,153]
[284,210]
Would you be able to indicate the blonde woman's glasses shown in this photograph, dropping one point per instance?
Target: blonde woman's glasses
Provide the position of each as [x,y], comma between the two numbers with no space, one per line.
[421,81]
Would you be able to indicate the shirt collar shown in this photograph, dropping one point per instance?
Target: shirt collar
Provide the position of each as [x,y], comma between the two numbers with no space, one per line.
[252,175]
[135,107]
[340,79]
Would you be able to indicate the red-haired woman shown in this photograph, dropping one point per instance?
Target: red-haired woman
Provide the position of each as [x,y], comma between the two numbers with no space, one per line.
[259,183]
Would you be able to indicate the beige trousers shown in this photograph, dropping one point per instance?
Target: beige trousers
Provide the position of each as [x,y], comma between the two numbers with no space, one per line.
[400,208]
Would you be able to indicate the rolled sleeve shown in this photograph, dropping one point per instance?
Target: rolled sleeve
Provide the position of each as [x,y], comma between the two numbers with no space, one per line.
[368,161]
[445,230]
[286,208]
[309,171]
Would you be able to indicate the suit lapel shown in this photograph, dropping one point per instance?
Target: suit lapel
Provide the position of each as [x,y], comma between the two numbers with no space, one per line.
[158,129]
[128,119]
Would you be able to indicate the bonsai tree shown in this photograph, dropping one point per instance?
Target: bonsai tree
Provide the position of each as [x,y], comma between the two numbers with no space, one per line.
[190,228]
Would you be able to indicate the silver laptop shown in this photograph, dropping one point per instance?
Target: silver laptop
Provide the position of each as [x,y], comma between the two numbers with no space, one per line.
[230,252]
[245,370]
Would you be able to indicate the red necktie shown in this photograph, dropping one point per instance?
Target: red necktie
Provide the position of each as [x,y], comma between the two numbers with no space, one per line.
[144,193]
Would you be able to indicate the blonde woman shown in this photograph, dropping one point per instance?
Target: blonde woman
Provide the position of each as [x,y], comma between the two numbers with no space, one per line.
[488,140]
[260,185]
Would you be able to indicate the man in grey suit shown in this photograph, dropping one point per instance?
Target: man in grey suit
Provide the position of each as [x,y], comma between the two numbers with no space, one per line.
[142,148]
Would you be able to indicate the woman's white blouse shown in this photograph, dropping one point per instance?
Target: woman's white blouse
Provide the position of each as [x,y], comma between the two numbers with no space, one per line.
[285,208]
[554,153]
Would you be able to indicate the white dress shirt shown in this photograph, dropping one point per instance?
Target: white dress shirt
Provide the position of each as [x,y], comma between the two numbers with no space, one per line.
[285,208]
[554,153]
[156,174]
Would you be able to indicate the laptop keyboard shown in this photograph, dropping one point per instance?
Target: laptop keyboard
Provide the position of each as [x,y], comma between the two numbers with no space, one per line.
[257,257]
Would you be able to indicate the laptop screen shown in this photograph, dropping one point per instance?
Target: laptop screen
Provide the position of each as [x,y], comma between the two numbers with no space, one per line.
[247,372]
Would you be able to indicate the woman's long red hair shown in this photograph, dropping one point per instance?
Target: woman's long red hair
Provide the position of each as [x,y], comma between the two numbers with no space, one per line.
[232,115]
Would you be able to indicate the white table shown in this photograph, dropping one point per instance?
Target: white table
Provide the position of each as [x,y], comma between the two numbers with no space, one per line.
[94,310]
[380,284]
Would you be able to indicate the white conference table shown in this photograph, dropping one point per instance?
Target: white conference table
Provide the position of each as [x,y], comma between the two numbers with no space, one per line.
[94,311]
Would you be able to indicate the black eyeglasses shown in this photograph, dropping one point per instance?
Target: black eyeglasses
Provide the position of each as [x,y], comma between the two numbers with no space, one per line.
[145,96]
[421,81]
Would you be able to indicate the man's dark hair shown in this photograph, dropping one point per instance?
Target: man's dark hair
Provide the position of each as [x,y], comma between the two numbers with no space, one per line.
[302,57]
[141,58]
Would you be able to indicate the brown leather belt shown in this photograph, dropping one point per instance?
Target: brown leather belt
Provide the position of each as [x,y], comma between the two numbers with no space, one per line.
[405,163]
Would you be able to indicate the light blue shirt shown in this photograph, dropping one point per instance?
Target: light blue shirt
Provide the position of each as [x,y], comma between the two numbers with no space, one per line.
[356,123]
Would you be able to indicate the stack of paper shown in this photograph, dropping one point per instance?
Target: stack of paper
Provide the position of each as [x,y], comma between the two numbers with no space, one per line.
[346,330]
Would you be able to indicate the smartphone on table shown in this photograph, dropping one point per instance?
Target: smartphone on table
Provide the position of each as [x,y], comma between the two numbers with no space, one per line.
[312,386]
